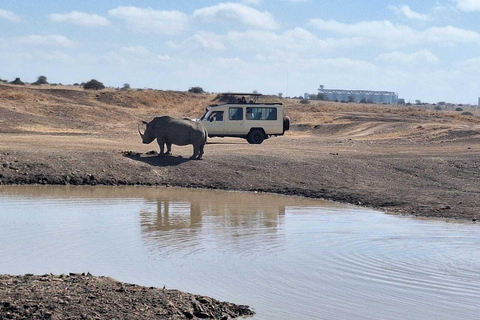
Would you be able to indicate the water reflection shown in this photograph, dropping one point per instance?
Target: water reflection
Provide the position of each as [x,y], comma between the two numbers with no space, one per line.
[180,223]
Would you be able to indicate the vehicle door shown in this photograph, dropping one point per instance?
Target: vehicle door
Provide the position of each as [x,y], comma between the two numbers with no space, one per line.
[236,121]
[215,123]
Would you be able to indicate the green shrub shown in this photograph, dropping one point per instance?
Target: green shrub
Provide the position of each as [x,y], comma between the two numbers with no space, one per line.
[458,109]
[17,81]
[304,101]
[438,108]
[467,113]
[196,90]
[41,80]
[93,85]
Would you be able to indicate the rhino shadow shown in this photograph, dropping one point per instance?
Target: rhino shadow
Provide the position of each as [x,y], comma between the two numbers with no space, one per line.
[155,160]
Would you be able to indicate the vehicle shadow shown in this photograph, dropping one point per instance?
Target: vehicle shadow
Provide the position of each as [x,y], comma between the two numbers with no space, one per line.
[155,160]
[218,142]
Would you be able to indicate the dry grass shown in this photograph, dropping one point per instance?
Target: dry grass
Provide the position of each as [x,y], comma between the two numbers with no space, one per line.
[68,109]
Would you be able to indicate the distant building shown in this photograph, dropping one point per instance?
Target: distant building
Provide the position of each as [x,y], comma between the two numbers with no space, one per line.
[358,95]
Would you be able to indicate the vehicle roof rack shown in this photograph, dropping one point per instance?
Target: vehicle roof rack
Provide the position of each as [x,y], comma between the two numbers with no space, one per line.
[239,94]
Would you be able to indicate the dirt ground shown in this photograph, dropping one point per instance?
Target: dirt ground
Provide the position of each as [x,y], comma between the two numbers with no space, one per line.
[404,160]
[83,296]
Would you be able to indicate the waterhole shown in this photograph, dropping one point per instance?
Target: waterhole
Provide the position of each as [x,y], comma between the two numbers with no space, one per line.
[286,257]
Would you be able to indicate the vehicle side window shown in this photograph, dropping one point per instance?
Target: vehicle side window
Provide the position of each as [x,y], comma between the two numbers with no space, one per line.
[235,114]
[261,113]
[216,116]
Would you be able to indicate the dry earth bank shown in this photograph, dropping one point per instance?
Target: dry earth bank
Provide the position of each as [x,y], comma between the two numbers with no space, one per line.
[83,296]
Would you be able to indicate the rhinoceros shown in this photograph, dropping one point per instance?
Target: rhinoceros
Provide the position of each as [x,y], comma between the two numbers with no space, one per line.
[168,130]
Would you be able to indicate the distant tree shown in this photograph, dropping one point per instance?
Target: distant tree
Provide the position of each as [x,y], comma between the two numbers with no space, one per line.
[459,109]
[196,90]
[126,86]
[438,108]
[280,95]
[304,101]
[364,100]
[255,91]
[351,98]
[322,96]
[93,85]
[418,102]
[17,81]
[41,80]
[467,113]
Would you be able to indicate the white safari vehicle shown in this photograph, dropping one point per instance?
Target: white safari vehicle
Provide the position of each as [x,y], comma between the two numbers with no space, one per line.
[242,118]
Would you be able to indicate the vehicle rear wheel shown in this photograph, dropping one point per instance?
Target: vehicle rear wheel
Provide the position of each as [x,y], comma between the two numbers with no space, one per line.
[256,136]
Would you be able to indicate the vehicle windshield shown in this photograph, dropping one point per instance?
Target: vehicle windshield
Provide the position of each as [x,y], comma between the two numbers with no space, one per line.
[204,117]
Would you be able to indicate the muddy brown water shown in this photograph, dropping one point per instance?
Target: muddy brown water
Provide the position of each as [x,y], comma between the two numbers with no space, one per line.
[286,257]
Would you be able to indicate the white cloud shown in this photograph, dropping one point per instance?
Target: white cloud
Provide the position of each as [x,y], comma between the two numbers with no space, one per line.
[468,5]
[409,13]
[49,40]
[10,16]
[254,2]
[80,18]
[416,59]
[236,13]
[54,56]
[296,40]
[297,1]
[150,20]
[471,66]
[397,35]
[135,55]
[207,40]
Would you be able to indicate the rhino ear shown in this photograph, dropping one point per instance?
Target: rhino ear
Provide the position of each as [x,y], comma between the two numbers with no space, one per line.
[145,122]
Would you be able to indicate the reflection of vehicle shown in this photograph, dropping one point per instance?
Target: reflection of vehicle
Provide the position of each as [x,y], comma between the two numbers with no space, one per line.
[253,121]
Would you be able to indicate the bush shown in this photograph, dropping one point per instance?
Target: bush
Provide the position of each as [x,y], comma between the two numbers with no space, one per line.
[458,109]
[93,85]
[438,108]
[126,86]
[17,81]
[41,80]
[196,90]
[467,113]
[304,101]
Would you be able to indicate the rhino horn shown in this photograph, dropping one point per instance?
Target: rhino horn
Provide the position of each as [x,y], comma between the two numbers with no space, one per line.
[141,134]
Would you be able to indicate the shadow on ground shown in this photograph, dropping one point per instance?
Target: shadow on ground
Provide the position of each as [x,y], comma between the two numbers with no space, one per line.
[154,160]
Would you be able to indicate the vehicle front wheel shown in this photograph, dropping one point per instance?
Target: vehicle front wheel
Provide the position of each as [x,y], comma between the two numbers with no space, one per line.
[256,136]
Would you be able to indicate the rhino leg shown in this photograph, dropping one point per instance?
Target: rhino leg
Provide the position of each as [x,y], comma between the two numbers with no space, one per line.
[169,149]
[161,145]
[201,152]
[195,152]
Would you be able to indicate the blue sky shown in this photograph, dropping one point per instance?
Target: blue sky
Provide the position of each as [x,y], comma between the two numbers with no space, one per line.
[423,50]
